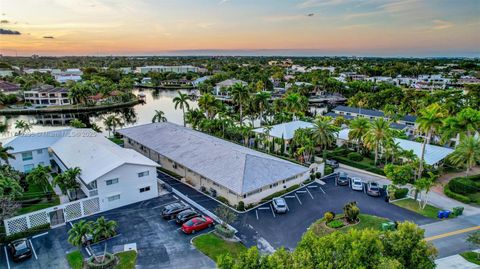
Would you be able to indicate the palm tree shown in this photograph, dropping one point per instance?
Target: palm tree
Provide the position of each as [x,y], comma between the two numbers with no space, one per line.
[76,123]
[295,103]
[324,133]
[39,176]
[96,128]
[103,229]
[5,155]
[429,121]
[10,188]
[159,116]
[358,127]
[194,117]
[111,123]
[240,94]
[467,122]
[377,135]
[79,232]
[67,181]
[467,153]
[182,101]
[22,127]
[262,101]
[425,184]
[209,104]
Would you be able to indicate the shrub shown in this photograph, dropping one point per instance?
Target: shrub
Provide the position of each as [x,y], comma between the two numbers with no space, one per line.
[26,233]
[223,200]
[280,193]
[224,232]
[456,196]
[312,177]
[463,185]
[241,206]
[351,211]
[400,193]
[328,170]
[318,175]
[335,224]
[354,156]
[107,263]
[328,216]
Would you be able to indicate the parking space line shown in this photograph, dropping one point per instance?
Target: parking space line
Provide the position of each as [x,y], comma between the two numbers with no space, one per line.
[309,193]
[38,235]
[256,212]
[88,251]
[6,256]
[289,196]
[313,186]
[301,191]
[298,198]
[322,190]
[271,207]
[33,248]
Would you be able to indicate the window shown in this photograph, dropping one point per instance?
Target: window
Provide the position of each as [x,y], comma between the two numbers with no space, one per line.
[39,151]
[27,168]
[113,198]
[27,156]
[143,174]
[145,189]
[112,181]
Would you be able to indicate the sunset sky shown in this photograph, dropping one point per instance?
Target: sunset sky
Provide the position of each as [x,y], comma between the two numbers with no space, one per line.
[301,27]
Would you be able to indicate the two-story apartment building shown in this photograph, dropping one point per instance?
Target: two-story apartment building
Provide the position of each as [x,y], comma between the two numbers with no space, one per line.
[47,96]
[163,69]
[116,175]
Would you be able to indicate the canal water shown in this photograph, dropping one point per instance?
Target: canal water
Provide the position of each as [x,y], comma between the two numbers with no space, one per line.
[136,115]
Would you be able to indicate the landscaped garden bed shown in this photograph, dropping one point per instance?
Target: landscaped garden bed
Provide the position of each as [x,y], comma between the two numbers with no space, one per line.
[123,260]
[429,211]
[365,221]
[471,256]
[214,246]
[464,189]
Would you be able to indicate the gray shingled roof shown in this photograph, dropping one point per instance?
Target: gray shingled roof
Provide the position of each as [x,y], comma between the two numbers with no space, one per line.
[371,112]
[235,167]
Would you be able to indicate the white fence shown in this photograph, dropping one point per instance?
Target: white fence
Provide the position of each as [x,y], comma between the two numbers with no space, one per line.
[55,216]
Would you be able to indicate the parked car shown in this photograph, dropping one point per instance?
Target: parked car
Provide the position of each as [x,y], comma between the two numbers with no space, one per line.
[186,215]
[197,224]
[332,163]
[20,249]
[373,189]
[357,184]
[279,205]
[170,211]
[343,179]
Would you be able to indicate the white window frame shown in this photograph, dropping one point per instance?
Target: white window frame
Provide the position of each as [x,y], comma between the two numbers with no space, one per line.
[112,181]
[144,174]
[113,198]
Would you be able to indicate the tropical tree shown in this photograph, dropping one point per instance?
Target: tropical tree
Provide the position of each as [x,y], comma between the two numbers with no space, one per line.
[209,104]
[5,155]
[324,133]
[67,181]
[76,123]
[295,103]
[467,153]
[425,184]
[240,95]
[111,123]
[96,128]
[194,117]
[304,143]
[79,232]
[9,187]
[103,229]
[159,116]
[358,127]
[39,176]
[377,135]
[22,127]
[429,121]
[181,101]
[261,101]
[466,122]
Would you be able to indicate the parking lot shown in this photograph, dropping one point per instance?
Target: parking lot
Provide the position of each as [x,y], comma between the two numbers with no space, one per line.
[160,243]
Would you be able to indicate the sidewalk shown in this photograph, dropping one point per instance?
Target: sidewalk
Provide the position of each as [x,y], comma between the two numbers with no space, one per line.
[455,262]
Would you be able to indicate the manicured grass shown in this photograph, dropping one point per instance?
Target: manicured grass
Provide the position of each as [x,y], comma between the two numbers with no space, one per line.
[429,211]
[75,259]
[43,204]
[213,246]
[471,257]
[366,221]
[127,259]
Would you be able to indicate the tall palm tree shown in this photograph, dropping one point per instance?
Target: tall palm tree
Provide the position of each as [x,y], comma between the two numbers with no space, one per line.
[467,153]
[209,104]
[9,187]
[377,135]
[324,133]
[103,229]
[429,121]
[467,122]
[5,155]
[295,103]
[22,127]
[159,116]
[79,232]
[111,123]
[240,94]
[194,117]
[262,102]
[181,101]
[39,176]
[358,128]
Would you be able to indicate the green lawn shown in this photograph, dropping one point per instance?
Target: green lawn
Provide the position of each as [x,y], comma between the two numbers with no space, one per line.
[43,204]
[127,259]
[429,211]
[36,192]
[471,257]
[116,140]
[213,246]
[75,259]
[366,221]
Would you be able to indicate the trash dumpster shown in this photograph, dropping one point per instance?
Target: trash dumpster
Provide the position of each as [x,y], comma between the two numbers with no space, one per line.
[458,211]
[440,214]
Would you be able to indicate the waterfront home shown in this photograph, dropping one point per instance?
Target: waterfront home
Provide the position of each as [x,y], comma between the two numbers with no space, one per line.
[163,69]
[221,88]
[47,96]
[9,88]
[199,80]
[116,175]
[211,164]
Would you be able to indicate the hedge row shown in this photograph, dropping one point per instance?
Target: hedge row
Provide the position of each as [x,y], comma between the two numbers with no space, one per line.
[27,233]
[456,196]
[358,165]
[464,185]
[280,193]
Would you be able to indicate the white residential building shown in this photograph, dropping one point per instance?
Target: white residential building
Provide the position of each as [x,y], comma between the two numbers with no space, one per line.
[6,73]
[162,69]
[47,96]
[199,80]
[116,175]
[220,88]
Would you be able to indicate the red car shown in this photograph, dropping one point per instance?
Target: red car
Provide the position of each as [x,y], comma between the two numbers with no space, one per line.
[197,224]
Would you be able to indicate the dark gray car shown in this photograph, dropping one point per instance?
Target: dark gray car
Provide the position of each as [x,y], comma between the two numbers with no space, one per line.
[343,179]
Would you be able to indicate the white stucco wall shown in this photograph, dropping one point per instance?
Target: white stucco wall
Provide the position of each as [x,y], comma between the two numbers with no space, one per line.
[42,158]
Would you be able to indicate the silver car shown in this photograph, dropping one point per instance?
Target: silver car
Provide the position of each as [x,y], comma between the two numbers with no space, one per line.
[279,205]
